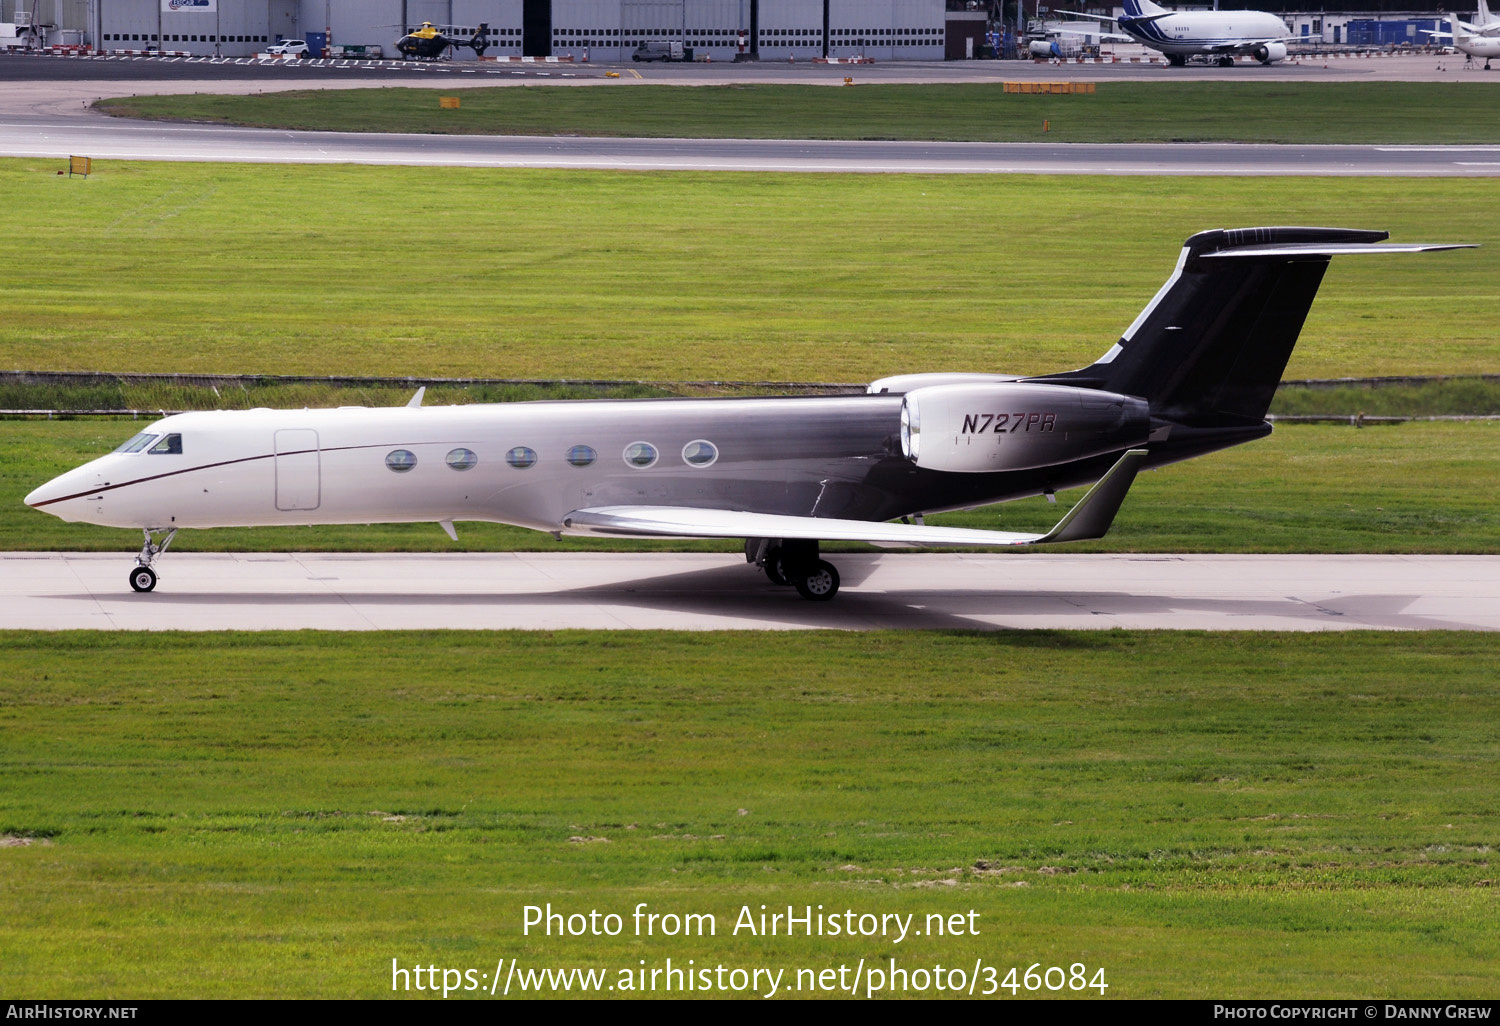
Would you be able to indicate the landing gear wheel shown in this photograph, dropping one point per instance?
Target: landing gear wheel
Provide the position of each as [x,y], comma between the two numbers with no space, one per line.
[143,578]
[775,572]
[817,581]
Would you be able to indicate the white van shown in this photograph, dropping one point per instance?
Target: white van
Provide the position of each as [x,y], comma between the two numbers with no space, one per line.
[658,50]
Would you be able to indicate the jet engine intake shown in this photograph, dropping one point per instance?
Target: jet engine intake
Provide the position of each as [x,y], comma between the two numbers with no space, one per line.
[1269,53]
[983,428]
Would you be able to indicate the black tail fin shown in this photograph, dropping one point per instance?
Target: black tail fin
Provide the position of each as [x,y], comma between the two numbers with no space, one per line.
[1210,348]
[481,40]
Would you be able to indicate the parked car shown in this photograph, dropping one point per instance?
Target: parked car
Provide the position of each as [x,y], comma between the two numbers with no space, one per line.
[659,50]
[291,48]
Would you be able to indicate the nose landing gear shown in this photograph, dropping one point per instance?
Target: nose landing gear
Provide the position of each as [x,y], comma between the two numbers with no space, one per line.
[142,577]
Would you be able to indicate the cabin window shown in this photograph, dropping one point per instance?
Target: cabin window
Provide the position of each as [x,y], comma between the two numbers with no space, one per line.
[521,457]
[462,459]
[699,453]
[582,455]
[170,445]
[137,442]
[400,460]
[640,454]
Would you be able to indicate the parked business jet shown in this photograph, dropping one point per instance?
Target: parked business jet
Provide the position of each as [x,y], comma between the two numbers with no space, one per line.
[1221,34]
[1192,374]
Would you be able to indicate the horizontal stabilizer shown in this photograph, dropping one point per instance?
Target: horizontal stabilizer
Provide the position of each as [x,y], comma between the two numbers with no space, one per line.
[1090,518]
[1315,249]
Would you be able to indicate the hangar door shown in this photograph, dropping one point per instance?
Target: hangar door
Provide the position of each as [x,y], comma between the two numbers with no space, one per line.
[650,19]
[536,28]
[298,477]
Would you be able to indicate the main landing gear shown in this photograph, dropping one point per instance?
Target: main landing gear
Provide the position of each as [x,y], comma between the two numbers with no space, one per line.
[143,578]
[796,563]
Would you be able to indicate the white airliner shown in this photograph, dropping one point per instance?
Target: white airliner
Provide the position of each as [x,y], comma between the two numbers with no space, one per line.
[1224,35]
[1485,23]
[1472,40]
[1194,373]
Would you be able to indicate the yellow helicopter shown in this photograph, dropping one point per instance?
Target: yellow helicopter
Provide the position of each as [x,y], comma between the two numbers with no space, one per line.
[428,44]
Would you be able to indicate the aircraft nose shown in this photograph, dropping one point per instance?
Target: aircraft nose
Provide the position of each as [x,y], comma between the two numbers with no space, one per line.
[46,494]
[52,497]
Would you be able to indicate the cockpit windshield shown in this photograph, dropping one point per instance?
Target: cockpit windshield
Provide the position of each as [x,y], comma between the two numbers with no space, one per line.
[137,443]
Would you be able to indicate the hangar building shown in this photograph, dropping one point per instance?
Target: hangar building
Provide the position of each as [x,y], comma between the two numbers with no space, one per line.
[610,29]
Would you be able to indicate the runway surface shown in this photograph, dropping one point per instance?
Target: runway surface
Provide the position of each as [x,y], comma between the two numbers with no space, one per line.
[37,135]
[531,591]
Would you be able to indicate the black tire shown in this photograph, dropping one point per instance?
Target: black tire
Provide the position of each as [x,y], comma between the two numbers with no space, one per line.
[817,581]
[775,572]
[143,578]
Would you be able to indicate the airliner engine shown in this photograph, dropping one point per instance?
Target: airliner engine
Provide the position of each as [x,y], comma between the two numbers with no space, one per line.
[982,428]
[1271,52]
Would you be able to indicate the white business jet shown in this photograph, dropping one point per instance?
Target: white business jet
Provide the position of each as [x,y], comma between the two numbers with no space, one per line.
[1194,373]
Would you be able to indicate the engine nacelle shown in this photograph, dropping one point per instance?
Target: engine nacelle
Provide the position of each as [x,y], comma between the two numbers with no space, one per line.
[899,383]
[983,428]
[1270,53]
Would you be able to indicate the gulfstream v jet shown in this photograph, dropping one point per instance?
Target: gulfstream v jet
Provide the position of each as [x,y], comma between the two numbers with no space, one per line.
[1193,373]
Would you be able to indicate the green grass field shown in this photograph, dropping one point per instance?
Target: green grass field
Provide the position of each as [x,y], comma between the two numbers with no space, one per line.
[1284,112]
[240,815]
[1418,487]
[1199,815]
[465,272]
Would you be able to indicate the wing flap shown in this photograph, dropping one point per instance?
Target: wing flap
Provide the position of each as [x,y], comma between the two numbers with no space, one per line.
[1089,518]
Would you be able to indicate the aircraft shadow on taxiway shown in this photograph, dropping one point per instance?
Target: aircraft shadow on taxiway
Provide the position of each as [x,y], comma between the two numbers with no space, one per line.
[738,592]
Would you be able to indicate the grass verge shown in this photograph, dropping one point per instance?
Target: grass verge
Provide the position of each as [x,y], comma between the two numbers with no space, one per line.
[466,272]
[65,394]
[1279,112]
[1200,815]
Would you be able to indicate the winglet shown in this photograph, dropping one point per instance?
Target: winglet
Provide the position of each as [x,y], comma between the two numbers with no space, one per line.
[1093,514]
[416,400]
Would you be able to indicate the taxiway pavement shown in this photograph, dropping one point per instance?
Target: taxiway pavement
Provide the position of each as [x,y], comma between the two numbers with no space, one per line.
[556,591]
[40,135]
[45,112]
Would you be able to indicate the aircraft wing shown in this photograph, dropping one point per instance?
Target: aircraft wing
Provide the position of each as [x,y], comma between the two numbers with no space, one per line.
[1139,19]
[1090,518]
[1103,37]
[1244,46]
